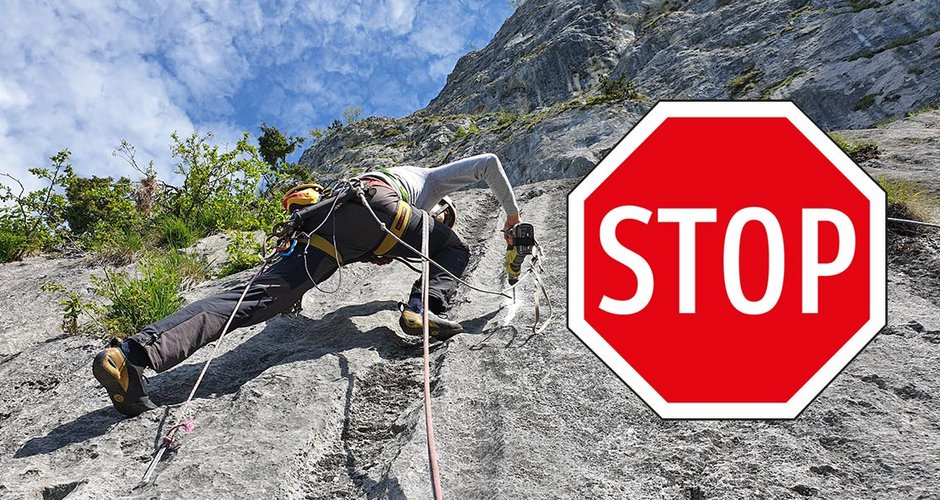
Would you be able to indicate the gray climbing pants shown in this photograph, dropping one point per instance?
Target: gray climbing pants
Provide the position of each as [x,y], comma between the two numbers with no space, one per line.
[173,339]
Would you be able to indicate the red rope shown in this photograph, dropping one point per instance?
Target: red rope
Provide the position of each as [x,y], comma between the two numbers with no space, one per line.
[432,447]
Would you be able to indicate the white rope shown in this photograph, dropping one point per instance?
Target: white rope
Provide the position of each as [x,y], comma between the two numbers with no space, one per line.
[426,258]
[181,420]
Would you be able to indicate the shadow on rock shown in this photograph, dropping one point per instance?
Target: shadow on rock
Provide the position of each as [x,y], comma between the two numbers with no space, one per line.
[284,340]
[81,429]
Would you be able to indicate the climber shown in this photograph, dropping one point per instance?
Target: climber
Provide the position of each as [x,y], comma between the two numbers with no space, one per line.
[400,198]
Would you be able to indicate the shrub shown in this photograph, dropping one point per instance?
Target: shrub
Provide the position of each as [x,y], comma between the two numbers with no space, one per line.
[745,81]
[858,151]
[72,306]
[464,132]
[244,252]
[221,187]
[864,103]
[905,199]
[152,293]
[118,247]
[177,233]
[35,216]
[12,245]
[98,201]
[618,89]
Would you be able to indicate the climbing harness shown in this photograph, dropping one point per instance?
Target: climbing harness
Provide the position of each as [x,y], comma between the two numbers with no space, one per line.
[535,269]
[429,423]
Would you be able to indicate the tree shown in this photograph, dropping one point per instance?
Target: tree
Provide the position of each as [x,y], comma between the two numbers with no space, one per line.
[352,114]
[275,147]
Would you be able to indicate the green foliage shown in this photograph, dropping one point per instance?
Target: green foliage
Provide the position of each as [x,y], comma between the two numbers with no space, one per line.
[857,150]
[220,188]
[90,201]
[72,306]
[275,147]
[12,245]
[766,93]
[177,233]
[464,132]
[864,103]
[614,89]
[117,247]
[153,293]
[504,119]
[930,107]
[390,132]
[747,80]
[905,199]
[34,217]
[244,252]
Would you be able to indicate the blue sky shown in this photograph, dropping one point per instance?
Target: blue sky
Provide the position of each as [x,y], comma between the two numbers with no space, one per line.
[85,75]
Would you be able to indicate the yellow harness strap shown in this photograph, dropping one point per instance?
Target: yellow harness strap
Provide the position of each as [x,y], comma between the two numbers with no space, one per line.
[399,224]
[322,244]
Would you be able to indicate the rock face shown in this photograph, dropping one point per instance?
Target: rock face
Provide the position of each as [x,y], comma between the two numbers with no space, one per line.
[533,95]
[327,404]
[837,58]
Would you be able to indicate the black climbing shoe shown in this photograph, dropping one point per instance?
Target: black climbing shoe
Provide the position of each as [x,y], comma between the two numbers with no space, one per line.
[123,381]
[440,329]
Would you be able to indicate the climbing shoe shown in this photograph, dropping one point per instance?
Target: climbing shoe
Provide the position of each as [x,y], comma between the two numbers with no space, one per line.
[123,381]
[412,323]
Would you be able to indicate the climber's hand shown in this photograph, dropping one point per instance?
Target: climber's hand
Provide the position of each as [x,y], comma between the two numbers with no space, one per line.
[511,221]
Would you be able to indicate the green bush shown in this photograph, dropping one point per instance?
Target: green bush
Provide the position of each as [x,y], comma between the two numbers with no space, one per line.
[72,306]
[244,252]
[35,216]
[98,201]
[905,199]
[12,245]
[464,132]
[177,233]
[747,80]
[221,188]
[116,246]
[151,294]
[864,103]
[858,151]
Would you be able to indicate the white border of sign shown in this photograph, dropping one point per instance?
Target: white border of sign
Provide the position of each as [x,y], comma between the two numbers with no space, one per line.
[822,378]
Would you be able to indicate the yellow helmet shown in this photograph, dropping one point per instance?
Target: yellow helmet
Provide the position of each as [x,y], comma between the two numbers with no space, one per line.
[301,196]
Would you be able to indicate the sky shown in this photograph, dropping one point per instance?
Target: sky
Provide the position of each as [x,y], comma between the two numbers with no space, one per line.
[85,75]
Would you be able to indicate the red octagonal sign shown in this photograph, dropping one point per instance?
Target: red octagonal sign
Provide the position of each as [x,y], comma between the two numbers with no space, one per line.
[726,260]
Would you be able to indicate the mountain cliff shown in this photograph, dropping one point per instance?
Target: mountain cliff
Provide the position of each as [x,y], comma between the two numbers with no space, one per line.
[327,403]
[562,81]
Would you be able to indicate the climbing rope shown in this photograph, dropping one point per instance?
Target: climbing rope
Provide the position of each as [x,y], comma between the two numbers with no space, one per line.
[534,268]
[914,222]
[429,424]
[181,421]
[187,424]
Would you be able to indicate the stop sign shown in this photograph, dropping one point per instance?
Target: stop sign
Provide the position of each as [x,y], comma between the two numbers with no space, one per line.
[726,260]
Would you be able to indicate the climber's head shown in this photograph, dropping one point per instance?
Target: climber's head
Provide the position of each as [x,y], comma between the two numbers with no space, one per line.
[446,212]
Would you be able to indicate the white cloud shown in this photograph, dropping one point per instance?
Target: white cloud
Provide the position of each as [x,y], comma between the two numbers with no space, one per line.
[85,75]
